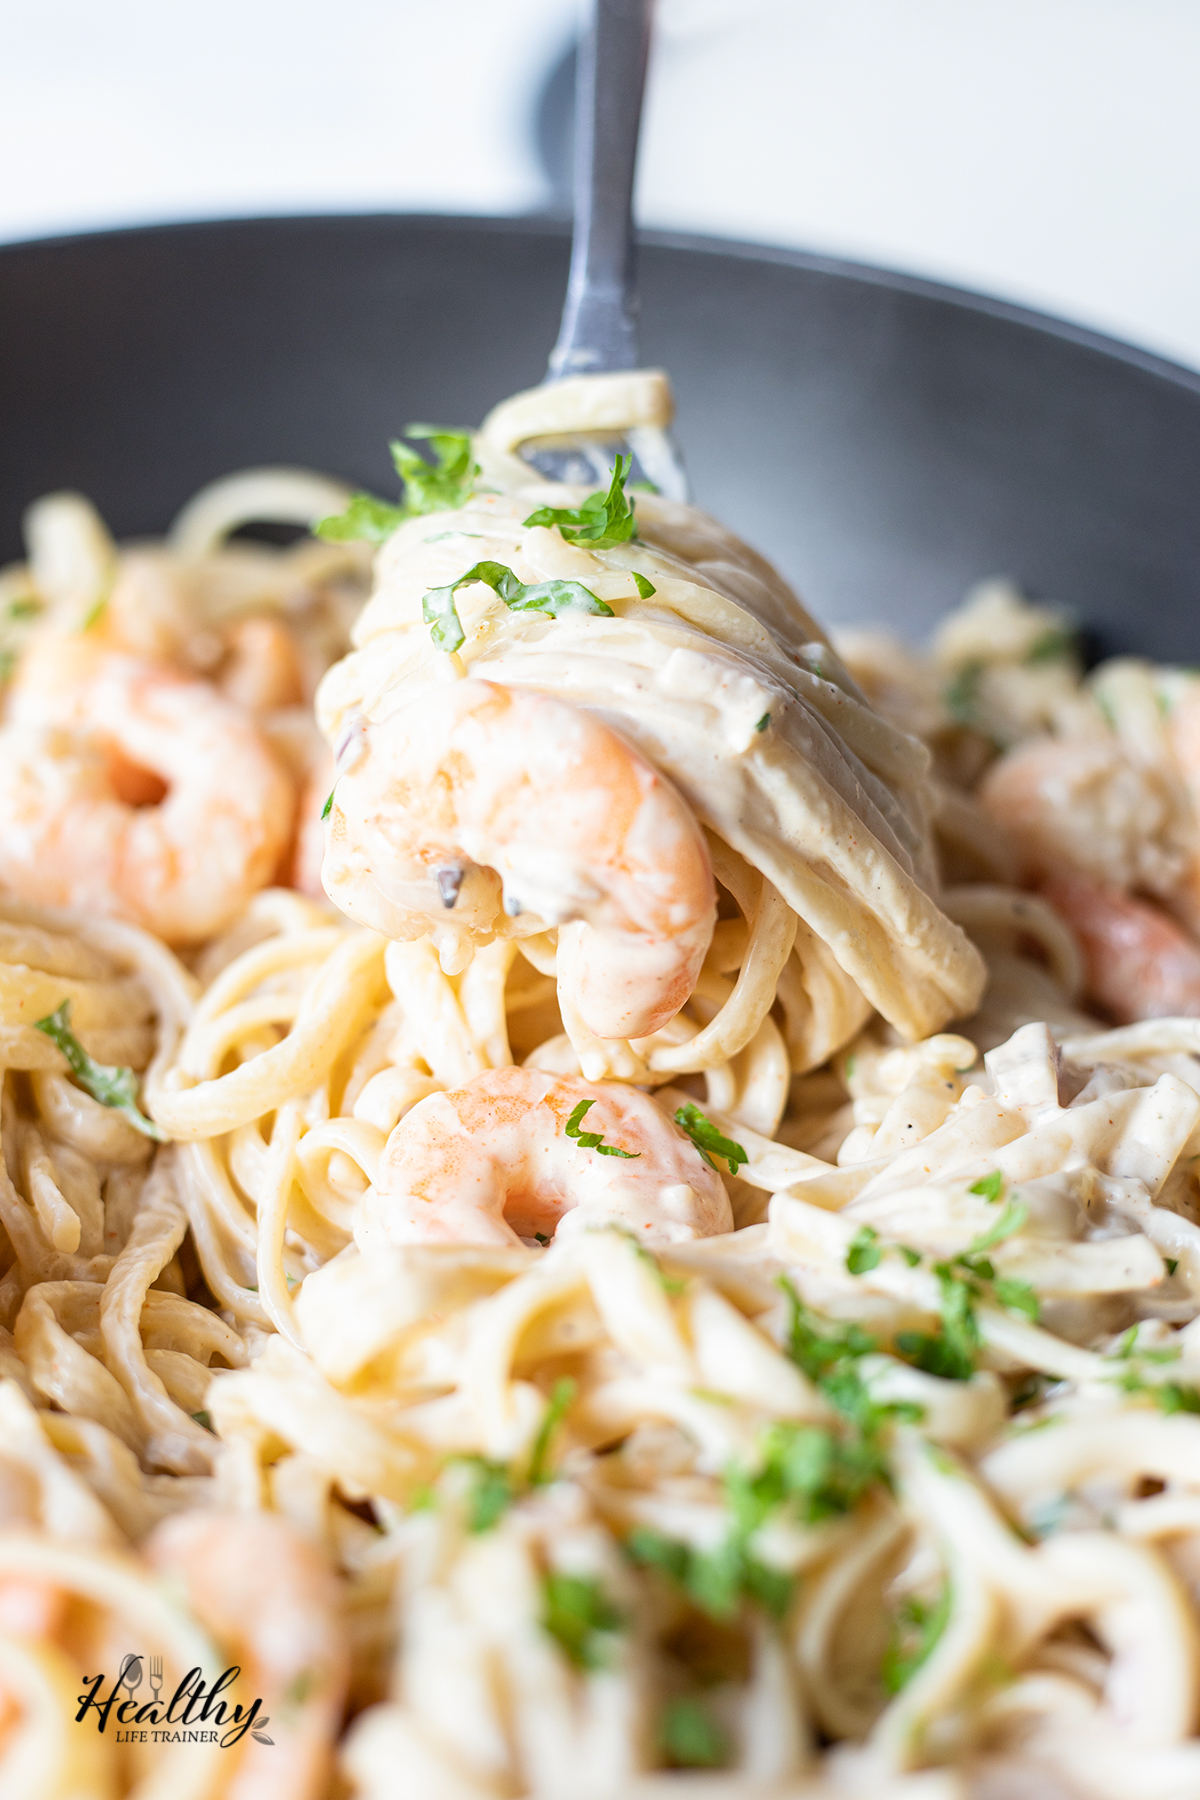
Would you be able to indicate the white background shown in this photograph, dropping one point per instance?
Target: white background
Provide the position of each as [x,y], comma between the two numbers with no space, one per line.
[1044,150]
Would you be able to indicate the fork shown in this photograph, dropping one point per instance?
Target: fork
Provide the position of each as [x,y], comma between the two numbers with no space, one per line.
[156,1677]
[598,334]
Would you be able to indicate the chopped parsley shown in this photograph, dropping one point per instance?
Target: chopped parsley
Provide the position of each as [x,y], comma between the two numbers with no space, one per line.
[204,1419]
[689,1736]
[715,1581]
[328,807]
[708,1141]
[1053,645]
[439,486]
[1014,1216]
[444,484]
[579,1615]
[594,1140]
[951,1351]
[111,1085]
[604,519]
[961,695]
[365,517]
[761,724]
[495,1486]
[1168,1396]
[915,1633]
[816,1471]
[811,1472]
[561,1396]
[990,1186]
[552,597]
[492,1492]
[865,1252]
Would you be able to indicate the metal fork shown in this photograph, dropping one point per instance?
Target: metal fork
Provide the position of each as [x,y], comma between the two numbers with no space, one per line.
[598,334]
[156,1677]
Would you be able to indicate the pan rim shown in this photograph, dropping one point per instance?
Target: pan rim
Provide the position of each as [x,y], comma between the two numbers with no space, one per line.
[968,300]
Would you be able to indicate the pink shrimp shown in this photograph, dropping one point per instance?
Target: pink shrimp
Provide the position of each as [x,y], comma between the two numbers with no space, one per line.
[491,1162]
[478,793]
[132,792]
[262,667]
[1140,964]
[1082,804]
[272,1602]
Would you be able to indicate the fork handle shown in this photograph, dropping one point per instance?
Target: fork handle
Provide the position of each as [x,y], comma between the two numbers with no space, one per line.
[599,322]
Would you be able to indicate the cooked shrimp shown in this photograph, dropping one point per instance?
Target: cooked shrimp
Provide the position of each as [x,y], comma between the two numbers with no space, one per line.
[479,793]
[491,1162]
[129,791]
[1083,804]
[272,1602]
[262,670]
[1140,964]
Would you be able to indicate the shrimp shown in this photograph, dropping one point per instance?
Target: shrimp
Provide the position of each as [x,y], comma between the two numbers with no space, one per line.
[1083,804]
[491,1163]
[1140,964]
[129,791]
[262,669]
[273,1604]
[479,794]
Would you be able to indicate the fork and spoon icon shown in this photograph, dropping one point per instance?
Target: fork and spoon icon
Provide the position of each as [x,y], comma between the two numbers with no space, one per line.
[130,1675]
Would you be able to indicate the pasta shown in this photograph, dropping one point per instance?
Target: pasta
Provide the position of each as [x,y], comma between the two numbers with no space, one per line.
[412,1386]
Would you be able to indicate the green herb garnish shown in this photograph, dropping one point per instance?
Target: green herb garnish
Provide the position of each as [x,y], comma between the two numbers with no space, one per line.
[365,517]
[578,1614]
[204,1419]
[990,1186]
[951,1351]
[708,1140]
[27,607]
[444,484]
[961,694]
[328,807]
[493,1491]
[915,1634]
[1013,1217]
[644,587]
[594,1140]
[551,597]
[690,1737]
[439,486]
[865,1252]
[561,1396]
[112,1086]
[761,724]
[813,1472]
[604,519]
[715,1581]
[1053,645]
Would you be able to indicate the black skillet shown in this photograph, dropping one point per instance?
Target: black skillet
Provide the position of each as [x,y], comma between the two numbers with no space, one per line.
[885,440]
